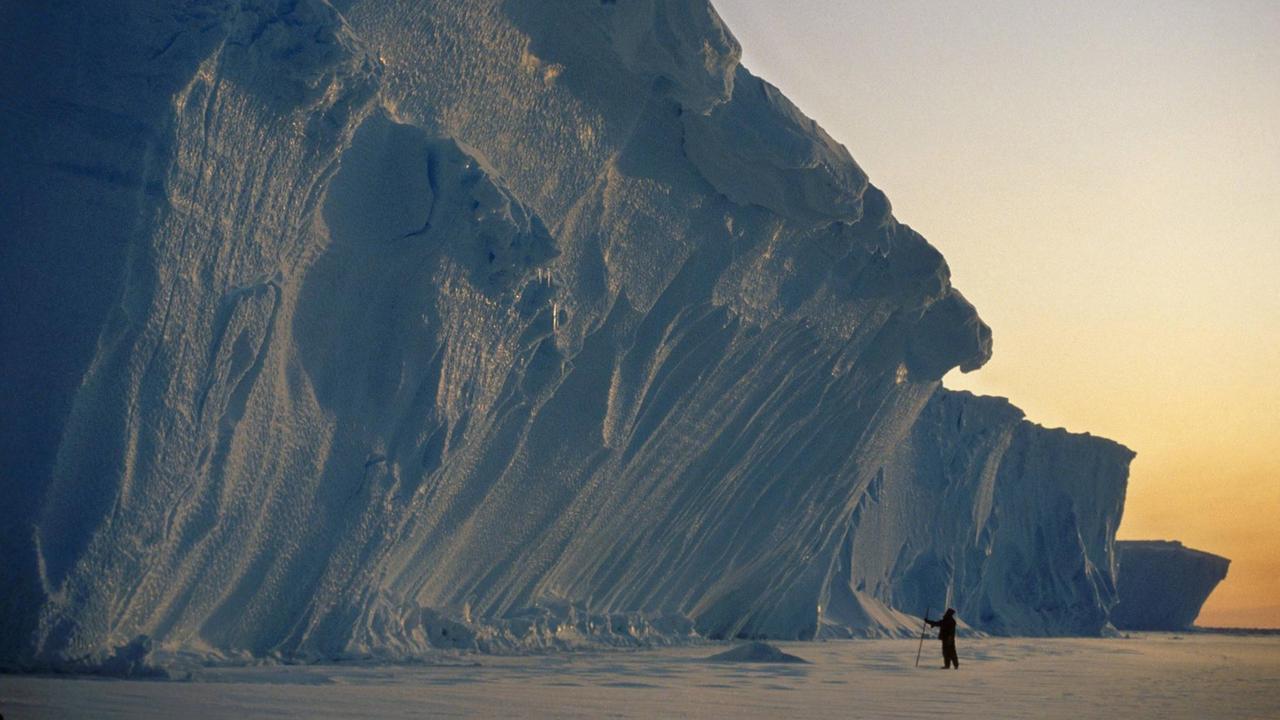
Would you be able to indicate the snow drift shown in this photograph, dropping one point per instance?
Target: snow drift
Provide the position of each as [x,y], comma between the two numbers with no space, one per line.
[383,326]
[756,652]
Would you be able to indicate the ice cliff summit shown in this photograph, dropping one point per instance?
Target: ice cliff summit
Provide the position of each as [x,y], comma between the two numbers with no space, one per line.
[379,326]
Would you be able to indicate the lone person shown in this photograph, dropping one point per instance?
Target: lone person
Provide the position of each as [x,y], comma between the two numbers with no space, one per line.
[947,634]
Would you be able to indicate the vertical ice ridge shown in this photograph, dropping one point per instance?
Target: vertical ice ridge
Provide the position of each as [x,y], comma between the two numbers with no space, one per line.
[1014,521]
[178,273]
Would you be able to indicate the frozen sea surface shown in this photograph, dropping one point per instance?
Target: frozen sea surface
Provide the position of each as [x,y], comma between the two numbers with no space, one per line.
[1149,676]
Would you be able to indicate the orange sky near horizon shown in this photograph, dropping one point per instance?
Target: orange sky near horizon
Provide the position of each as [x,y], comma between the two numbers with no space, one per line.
[1104,181]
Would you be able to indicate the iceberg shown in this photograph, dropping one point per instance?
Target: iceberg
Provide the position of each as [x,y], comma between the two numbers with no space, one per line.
[373,328]
[1010,523]
[1163,584]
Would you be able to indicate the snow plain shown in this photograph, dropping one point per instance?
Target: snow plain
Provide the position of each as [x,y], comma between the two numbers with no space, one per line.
[1195,675]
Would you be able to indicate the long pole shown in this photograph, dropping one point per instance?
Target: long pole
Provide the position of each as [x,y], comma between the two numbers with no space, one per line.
[923,632]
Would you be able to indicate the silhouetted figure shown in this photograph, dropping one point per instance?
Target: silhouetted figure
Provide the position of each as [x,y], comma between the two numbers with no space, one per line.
[947,634]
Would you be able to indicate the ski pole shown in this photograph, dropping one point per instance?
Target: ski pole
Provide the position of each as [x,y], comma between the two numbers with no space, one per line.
[923,632]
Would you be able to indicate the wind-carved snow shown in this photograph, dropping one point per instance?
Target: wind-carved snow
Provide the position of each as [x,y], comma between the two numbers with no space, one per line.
[758,149]
[509,325]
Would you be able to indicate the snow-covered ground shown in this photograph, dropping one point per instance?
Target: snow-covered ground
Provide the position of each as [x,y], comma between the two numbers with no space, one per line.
[1148,676]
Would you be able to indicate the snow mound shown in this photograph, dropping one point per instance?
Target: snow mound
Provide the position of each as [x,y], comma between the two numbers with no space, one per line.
[756,652]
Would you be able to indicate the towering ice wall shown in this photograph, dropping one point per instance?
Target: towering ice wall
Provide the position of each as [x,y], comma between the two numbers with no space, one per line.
[386,325]
[1011,523]
[1163,584]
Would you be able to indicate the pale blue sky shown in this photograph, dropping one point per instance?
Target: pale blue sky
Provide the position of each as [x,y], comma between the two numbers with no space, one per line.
[1104,180]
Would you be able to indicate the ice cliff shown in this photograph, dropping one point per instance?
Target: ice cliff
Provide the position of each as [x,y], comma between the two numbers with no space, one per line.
[1011,523]
[1162,584]
[383,326]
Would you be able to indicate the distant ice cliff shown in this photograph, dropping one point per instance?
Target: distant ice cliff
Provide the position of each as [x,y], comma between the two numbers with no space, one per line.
[1163,584]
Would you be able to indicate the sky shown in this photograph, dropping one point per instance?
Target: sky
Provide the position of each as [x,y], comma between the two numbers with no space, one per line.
[1104,180]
